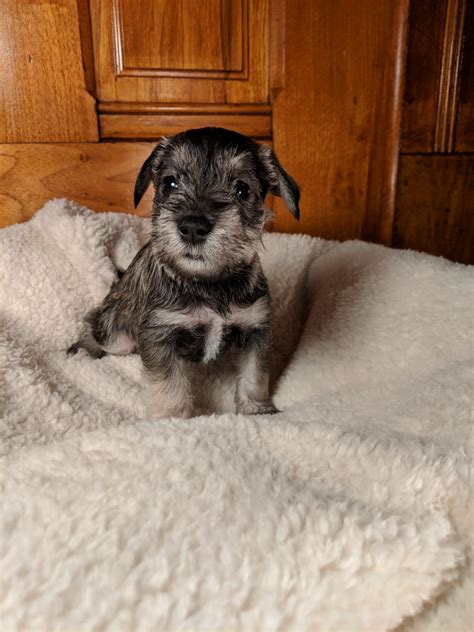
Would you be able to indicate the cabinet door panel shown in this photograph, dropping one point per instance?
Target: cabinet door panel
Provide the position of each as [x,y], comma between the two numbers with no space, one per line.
[183,35]
[181,51]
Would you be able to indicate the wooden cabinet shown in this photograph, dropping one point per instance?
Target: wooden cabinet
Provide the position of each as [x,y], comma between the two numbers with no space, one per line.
[369,105]
[435,192]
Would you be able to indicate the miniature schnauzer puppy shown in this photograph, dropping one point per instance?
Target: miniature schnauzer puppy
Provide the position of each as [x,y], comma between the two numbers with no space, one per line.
[196,291]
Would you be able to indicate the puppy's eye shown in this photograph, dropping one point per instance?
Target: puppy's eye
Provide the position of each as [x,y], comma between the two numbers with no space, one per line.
[242,190]
[170,184]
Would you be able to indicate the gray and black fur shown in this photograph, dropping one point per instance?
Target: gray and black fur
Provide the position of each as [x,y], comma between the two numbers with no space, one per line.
[196,290]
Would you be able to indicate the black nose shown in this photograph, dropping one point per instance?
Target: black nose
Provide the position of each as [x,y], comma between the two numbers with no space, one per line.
[194,228]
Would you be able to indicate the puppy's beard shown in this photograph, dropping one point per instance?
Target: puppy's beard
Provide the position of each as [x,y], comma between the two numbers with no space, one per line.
[227,247]
[197,266]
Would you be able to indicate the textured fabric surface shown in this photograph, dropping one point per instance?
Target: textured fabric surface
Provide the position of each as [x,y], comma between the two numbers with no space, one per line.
[349,510]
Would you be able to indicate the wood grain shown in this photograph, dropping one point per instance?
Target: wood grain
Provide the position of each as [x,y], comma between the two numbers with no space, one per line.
[435,206]
[152,80]
[100,176]
[336,122]
[43,97]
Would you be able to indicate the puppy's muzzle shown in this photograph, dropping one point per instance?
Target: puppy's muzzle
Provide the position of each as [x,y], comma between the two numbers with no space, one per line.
[194,229]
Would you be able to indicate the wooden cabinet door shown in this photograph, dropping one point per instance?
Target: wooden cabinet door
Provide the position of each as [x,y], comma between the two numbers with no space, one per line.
[166,65]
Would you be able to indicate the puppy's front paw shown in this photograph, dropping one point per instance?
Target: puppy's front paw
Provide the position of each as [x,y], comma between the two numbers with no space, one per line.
[157,411]
[251,407]
[157,407]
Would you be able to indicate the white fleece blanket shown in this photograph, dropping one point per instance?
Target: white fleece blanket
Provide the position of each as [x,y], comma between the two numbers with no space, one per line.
[349,510]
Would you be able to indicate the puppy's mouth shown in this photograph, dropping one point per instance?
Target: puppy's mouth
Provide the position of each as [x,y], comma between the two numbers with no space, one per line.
[194,252]
[191,256]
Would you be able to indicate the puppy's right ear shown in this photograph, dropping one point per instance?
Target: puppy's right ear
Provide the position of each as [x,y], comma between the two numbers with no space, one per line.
[279,181]
[151,164]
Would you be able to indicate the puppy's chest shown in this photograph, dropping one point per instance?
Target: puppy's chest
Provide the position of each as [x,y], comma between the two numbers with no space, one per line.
[201,334]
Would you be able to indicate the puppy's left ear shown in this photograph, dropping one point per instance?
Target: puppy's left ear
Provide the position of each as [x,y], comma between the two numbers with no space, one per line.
[279,181]
[151,164]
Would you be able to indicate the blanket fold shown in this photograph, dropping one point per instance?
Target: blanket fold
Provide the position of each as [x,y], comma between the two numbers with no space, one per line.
[349,510]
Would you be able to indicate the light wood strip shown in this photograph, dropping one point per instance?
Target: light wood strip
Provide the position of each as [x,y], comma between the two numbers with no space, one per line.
[152,126]
[184,108]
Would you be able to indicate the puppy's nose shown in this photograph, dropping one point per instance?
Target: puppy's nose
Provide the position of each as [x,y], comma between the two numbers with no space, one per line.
[194,229]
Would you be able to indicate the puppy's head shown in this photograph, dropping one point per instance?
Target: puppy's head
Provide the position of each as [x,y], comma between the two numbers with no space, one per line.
[208,211]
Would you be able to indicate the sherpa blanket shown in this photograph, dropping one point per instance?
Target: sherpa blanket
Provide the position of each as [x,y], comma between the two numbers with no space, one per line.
[346,511]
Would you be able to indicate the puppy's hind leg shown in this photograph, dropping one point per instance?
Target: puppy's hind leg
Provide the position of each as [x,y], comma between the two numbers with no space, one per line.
[102,335]
[87,342]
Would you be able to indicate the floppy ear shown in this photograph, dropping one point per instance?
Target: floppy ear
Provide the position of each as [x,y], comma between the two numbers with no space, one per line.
[279,181]
[152,163]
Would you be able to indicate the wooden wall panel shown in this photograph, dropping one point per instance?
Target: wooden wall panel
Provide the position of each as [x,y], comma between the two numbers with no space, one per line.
[435,206]
[336,120]
[99,175]
[42,89]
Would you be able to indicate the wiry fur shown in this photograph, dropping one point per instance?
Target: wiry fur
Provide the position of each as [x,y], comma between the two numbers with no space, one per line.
[180,302]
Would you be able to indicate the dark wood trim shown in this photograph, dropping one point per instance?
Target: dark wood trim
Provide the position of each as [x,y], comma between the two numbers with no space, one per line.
[449,77]
[85,30]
